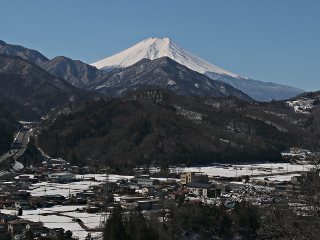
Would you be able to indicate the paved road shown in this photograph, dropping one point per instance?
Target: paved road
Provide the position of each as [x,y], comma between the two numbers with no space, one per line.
[19,145]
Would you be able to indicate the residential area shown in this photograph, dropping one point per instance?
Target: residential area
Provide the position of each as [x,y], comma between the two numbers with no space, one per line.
[80,200]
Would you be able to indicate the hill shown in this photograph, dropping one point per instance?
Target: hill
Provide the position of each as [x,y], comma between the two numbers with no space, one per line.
[158,126]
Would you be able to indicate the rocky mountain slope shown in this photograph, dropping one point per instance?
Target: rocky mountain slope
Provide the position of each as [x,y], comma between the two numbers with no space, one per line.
[82,75]
[153,48]
[166,73]
[24,84]
[77,73]
[25,53]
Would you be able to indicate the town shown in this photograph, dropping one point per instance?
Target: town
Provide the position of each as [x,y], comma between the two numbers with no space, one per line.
[80,199]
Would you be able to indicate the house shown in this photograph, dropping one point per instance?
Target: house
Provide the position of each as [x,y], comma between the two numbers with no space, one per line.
[7,218]
[203,190]
[161,194]
[176,194]
[35,227]
[54,198]
[148,191]
[288,189]
[91,209]
[144,182]
[132,199]
[20,195]
[16,226]
[7,203]
[146,204]
[193,177]
[129,206]
[37,201]
[24,177]
[61,177]
[23,204]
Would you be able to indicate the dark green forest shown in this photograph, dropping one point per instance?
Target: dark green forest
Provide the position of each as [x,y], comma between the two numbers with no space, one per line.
[157,126]
[7,127]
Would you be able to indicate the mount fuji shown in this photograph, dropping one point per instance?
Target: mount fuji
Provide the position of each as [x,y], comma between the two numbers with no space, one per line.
[154,48]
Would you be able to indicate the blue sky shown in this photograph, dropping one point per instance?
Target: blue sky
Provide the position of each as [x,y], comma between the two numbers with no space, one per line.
[272,41]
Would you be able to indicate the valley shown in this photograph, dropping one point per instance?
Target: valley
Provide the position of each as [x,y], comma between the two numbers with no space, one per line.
[163,135]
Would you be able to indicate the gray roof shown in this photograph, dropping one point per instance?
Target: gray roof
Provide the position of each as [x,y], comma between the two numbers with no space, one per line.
[200,185]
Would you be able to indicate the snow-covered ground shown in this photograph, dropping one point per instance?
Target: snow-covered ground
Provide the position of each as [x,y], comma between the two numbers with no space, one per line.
[238,170]
[62,216]
[301,105]
[42,188]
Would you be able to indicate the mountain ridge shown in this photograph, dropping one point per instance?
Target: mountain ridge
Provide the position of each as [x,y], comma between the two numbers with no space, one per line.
[76,72]
[153,48]
[25,53]
[166,73]
[25,85]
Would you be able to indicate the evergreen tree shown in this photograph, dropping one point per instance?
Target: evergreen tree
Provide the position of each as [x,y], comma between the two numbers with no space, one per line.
[114,228]
[137,228]
[20,212]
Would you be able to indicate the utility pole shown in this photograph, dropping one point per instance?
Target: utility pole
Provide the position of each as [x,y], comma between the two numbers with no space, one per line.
[105,197]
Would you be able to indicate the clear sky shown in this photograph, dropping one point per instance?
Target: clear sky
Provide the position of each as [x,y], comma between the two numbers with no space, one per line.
[271,40]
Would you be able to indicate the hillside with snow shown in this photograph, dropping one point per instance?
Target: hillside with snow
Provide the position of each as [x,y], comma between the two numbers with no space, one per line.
[154,48]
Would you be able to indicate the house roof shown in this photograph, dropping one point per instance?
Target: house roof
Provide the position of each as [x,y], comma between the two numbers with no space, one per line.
[147,179]
[200,185]
[19,221]
[7,201]
[52,195]
[184,191]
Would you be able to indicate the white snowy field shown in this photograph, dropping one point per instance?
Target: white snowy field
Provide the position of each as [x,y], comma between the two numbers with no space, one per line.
[257,171]
[62,216]
[43,188]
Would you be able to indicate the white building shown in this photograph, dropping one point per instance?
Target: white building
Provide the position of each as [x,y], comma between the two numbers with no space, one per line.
[61,177]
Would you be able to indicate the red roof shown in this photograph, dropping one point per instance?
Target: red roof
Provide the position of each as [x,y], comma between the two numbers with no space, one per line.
[184,191]
[8,201]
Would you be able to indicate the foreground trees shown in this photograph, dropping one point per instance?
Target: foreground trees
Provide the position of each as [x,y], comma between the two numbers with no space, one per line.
[132,226]
[183,222]
[193,221]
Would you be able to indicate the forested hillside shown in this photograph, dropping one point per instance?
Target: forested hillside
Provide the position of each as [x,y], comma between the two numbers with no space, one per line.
[7,127]
[157,126]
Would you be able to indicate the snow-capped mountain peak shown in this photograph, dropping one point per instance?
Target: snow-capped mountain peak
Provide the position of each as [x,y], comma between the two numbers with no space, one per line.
[153,48]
